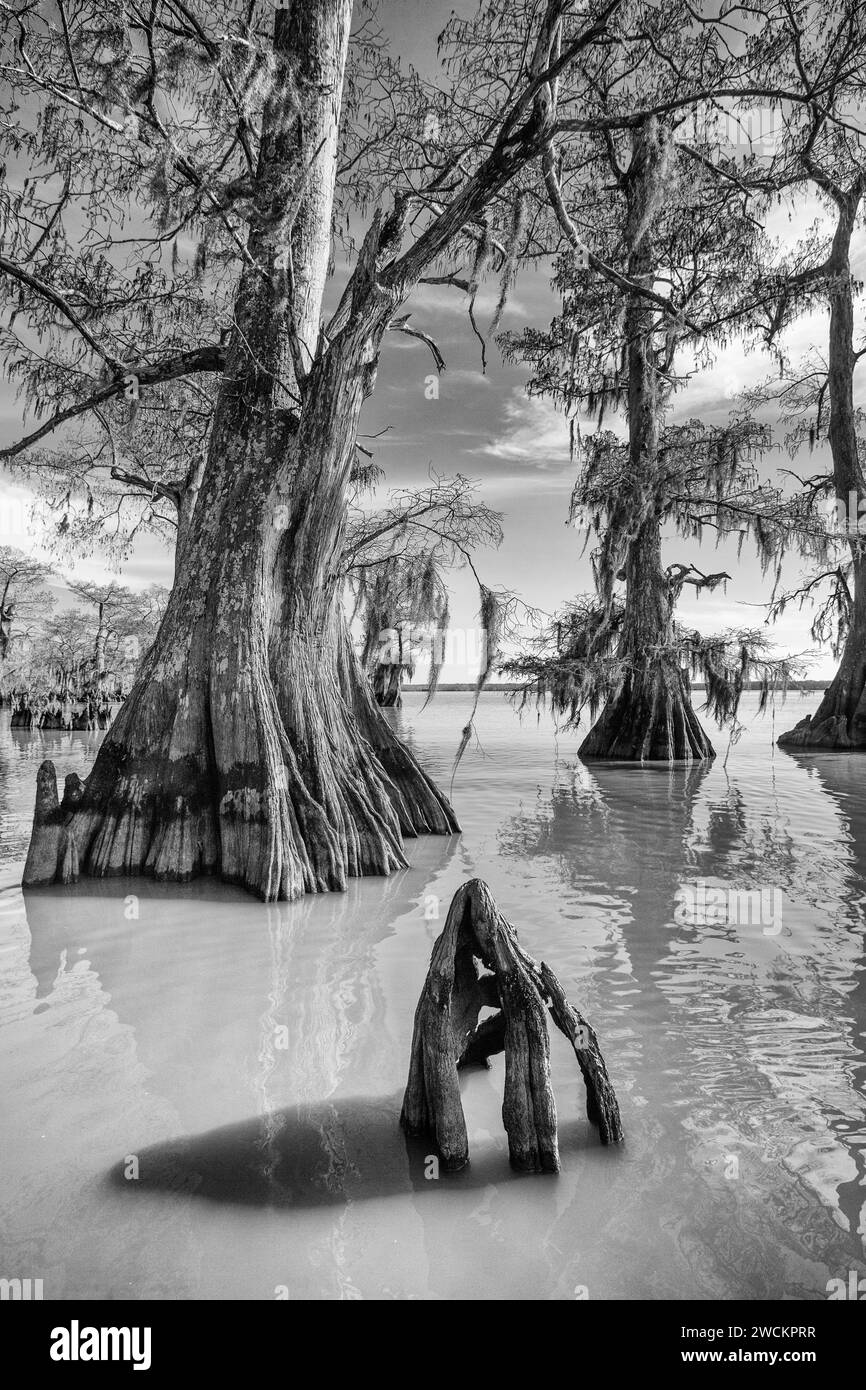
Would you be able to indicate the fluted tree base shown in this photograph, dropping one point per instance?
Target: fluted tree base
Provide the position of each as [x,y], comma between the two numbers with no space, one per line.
[223,780]
[650,719]
[840,720]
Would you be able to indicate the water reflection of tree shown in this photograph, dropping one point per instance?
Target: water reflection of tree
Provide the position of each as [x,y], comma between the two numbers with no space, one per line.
[818,860]
[707,1043]
[840,775]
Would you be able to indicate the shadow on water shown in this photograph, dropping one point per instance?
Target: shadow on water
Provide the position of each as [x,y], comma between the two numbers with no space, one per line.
[342,1151]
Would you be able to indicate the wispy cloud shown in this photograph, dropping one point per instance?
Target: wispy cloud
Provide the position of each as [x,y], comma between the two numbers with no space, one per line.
[447,301]
[532,432]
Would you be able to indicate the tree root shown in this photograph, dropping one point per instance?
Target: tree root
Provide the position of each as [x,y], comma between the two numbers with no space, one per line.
[476,962]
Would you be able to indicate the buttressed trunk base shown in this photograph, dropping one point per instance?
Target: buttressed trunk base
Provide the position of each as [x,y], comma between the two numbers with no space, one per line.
[251,745]
[291,813]
[651,719]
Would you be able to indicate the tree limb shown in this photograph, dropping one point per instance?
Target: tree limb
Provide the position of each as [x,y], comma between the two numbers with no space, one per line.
[205,359]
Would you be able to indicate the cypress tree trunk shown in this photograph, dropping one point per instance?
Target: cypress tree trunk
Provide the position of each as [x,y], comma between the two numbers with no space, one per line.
[245,746]
[22,714]
[388,685]
[5,625]
[840,721]
[99,648]
[383,660]
[237,750]
[649,716]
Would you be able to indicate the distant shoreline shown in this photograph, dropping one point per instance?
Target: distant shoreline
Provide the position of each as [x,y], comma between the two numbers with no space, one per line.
[507,689]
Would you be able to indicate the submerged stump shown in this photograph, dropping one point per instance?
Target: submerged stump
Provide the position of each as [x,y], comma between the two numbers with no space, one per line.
[53,853]
[387,682]
[478,962]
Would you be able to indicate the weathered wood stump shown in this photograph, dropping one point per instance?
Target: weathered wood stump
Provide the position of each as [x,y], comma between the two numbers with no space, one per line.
[53,856]
[476,962]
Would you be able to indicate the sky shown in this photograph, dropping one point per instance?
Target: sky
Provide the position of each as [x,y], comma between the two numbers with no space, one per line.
[516,447]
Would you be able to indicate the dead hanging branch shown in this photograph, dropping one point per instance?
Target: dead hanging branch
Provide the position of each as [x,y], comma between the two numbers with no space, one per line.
[401,325]
[478,962]
[496,606]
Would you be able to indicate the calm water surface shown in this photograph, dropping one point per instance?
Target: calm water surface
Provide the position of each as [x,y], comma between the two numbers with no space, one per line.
[248,1061]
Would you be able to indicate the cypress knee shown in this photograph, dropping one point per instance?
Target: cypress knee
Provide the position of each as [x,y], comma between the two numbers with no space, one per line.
[476,962]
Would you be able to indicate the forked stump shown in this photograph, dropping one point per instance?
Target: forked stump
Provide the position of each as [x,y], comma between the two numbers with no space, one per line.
[478,961]
[53,855]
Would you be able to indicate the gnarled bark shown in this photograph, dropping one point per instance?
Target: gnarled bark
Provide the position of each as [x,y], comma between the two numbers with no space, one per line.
[476,962]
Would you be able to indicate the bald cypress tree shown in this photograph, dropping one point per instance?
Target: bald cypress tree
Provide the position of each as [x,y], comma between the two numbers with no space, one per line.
[662,269]
[250,744]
